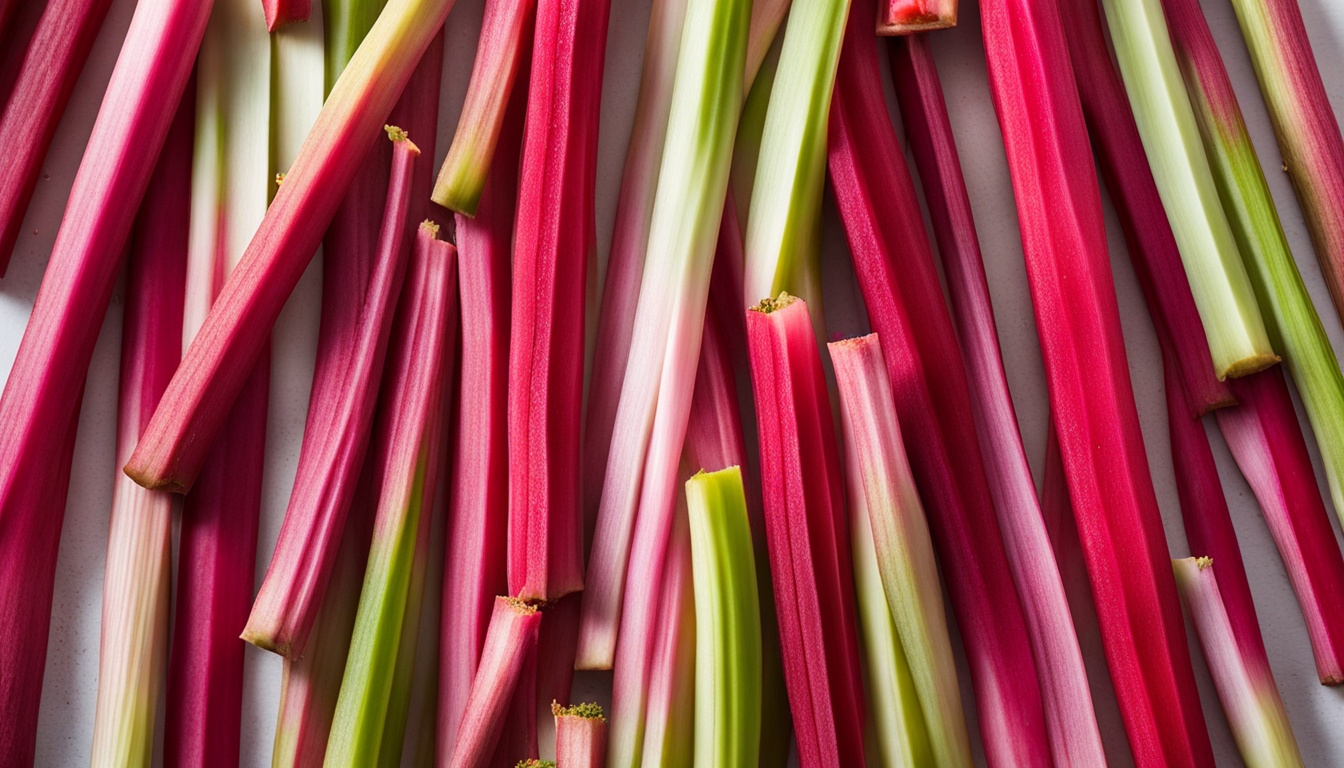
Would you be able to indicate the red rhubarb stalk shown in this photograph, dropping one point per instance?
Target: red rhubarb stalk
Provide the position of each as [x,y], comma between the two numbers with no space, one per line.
[133,654]
[1151,244]
[478,508]
[1090,392]
[512,636]
[43,81]
[552,240]
[40,405]
[282,12]
[806,530]
[900,286]
[213,370]
[1070,719]
[1268,445]
[580,735]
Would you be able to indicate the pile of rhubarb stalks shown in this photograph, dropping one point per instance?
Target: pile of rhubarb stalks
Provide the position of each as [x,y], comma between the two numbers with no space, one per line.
[516,464]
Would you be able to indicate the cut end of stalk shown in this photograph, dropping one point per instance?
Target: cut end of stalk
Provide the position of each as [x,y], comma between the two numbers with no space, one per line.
[769,305]
[154,482]
[431,228]
[396,134]
[279,179]
[267,642]
[856,342]
[914,24]
[533,762]
[1249,365]
[520,605]
[1203,562]
[588,710]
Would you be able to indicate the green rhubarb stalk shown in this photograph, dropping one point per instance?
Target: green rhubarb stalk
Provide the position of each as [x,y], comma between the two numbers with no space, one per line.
[783,234]
[1294,326]
[727,622]
[346,24]
[1223,294]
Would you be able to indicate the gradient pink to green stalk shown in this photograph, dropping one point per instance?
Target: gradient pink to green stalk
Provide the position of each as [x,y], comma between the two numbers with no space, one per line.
[1245,686]
[1304,122]
[215,366]
[1070,719]
[1078,322]
[903,297]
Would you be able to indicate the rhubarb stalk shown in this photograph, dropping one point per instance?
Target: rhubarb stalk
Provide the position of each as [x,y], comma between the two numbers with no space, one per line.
[1268,445]
[505,42]
[282,12]
[1294,326]
[1070,719]
[806,529]
[641,488]
[1244,682]
[882,496]
[580,735]
[908,17]
[552,240]
[1236,331]
[406,456]
[1090,392]
[905,304]
[1304,122]
[213,370]
[512,636]
[133,653]
[40,405]
[727,622]
[478,508]
[46,71]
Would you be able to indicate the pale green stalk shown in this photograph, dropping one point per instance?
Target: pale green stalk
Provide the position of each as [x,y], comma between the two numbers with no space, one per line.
[1247,691]
[346,24]
[298,86]
[747,146]
[727,622]
[783,234]
[1236,332]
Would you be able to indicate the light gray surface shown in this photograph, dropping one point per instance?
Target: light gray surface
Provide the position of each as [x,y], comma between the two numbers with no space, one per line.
[68,696]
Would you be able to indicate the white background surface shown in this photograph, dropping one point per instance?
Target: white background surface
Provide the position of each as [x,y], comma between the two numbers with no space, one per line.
[71,675]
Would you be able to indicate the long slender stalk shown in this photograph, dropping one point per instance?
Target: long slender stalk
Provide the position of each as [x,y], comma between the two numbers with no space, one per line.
[1268,445]
[727,622]
[512,635]
[212,372]
[806,529]
[474,567]
[1294,326]
[518,736]
[1091,396]
[503,52]
[639,495]
[553,237]
[1070,719]
[1304,122]
[1148,235]
[902,294]
[47,69]
[580,735]
[883,495]
[1236,331]
[40,405]
[231,185]
[406,454]
[133,653]
[1245,686]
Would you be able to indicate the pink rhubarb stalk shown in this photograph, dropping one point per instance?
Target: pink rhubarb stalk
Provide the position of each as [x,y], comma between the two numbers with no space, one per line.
[133,654]
[806,530]
[1151,244]
[503,52]
[359,296]
[518,737]
[40,405]
[43,81]
[1304,122]
[512,637]
[213,370]
[899,281]
[282,12]
[1070,719]
[580,735]
[907,17]
[1090,392]
[552,241]
[478,508]
[1268,445]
